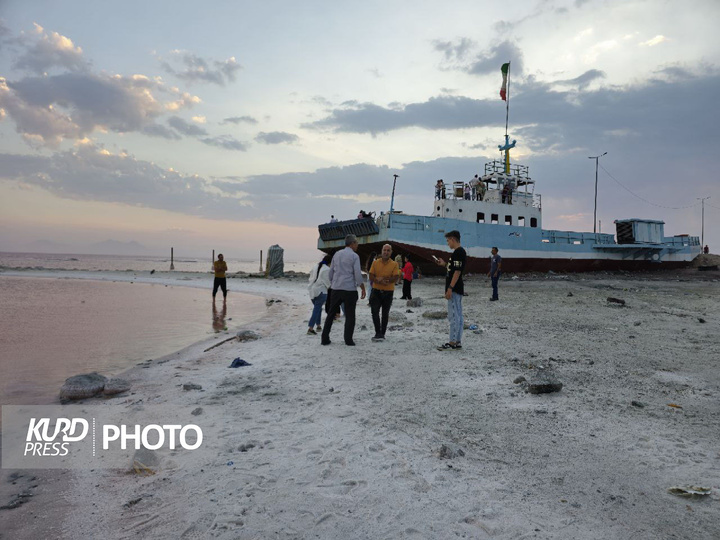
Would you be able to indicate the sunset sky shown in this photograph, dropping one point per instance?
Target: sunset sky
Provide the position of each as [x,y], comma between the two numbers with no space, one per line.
[237,125]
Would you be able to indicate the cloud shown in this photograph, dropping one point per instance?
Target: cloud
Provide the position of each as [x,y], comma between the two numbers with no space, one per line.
[185,127]
[583,80]
[225,141]
[491,61]
[547,116]
[654,41]
[442,112]
[239,119]
[72,105]
[276,137]
[197,69]
[43,50]
[157,130]
[92,173]
[454,50]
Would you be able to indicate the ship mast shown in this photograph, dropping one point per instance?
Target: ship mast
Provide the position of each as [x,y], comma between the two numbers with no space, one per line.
[505,95]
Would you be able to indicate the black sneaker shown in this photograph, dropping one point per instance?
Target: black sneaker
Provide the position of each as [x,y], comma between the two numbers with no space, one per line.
[377,337]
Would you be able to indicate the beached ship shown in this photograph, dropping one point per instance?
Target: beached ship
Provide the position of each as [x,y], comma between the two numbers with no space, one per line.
[509,215]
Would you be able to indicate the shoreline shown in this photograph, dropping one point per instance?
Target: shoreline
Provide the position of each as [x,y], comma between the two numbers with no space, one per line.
[347,442]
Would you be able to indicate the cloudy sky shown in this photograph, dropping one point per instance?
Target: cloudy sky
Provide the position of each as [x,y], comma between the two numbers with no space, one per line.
[237,125]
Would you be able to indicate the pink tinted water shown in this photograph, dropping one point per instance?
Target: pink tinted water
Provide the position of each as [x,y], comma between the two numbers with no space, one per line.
[51,329]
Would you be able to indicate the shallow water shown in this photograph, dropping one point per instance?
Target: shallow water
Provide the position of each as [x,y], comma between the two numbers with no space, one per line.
[132,263]
[51,329]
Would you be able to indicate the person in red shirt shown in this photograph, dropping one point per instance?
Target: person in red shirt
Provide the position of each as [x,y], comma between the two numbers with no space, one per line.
[407,273]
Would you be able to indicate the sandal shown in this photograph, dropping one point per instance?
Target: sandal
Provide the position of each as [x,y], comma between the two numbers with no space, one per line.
[449,347]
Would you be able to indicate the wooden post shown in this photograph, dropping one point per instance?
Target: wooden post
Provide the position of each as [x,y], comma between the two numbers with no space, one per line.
[261,268]
[172,265]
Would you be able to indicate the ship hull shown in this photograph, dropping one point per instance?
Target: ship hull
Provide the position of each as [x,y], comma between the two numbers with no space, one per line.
[523,249]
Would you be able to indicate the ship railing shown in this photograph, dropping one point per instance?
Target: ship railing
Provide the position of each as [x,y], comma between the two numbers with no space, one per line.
[681,241]
[572,237]
[340,229]
[456,191]
[498,166]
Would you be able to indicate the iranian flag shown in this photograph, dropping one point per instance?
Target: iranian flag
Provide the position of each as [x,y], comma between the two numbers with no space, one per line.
[503,89]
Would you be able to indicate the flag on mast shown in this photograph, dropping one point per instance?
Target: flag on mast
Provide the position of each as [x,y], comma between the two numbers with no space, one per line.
[503,88]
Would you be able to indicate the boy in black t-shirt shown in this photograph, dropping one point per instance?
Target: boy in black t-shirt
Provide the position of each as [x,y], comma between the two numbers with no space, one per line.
[454,290]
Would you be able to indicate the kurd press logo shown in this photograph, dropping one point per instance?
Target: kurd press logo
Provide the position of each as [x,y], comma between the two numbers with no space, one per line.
[43,437]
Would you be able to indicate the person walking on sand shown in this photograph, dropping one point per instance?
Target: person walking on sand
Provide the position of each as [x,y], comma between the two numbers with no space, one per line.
[384,273]
[319,282]
[220,267]
[494,273]
[345,277]
[454,290]
[407,272]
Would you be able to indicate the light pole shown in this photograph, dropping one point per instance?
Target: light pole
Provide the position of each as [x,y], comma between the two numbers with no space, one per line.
[596,158]
[702,233]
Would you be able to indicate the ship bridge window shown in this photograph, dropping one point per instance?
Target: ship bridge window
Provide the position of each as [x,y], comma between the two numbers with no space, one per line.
[533,222]
[508,220]
[481,217]
[494,219]
[521,221]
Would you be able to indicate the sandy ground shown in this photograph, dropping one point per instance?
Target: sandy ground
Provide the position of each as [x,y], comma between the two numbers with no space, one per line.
[399,440]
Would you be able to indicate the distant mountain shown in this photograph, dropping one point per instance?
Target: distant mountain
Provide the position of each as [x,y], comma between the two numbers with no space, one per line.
[116,247]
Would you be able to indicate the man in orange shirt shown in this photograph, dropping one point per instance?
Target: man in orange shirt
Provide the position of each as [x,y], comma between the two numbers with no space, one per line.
[384,273]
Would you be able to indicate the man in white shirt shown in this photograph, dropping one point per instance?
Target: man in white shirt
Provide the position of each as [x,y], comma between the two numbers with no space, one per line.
[345,277]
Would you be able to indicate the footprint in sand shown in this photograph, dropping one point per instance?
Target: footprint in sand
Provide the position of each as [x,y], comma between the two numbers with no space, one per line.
[200,528]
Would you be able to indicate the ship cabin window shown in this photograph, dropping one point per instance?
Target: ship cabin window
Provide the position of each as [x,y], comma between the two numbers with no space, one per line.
[481,217]
[438,208]
[546,241]
[577,242]
[494,219]
[508,220]
[460,210]
[533,222]
[521,221]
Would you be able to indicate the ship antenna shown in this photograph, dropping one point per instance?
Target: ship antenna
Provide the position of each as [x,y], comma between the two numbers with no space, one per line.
[392,199]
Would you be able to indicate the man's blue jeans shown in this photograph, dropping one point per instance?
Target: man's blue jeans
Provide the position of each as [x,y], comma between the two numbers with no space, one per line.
[495,285]
[455,316]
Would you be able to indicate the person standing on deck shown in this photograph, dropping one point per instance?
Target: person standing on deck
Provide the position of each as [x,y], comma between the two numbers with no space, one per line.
[454,290]
[481,189]
[474,188]
[220,267]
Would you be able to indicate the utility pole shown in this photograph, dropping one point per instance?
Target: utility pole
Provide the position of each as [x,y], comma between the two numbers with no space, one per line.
[702,234]
[597,159]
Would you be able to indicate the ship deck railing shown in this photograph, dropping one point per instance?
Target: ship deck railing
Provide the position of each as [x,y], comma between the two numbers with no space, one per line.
[493,194]
[340,229]
[572,237]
